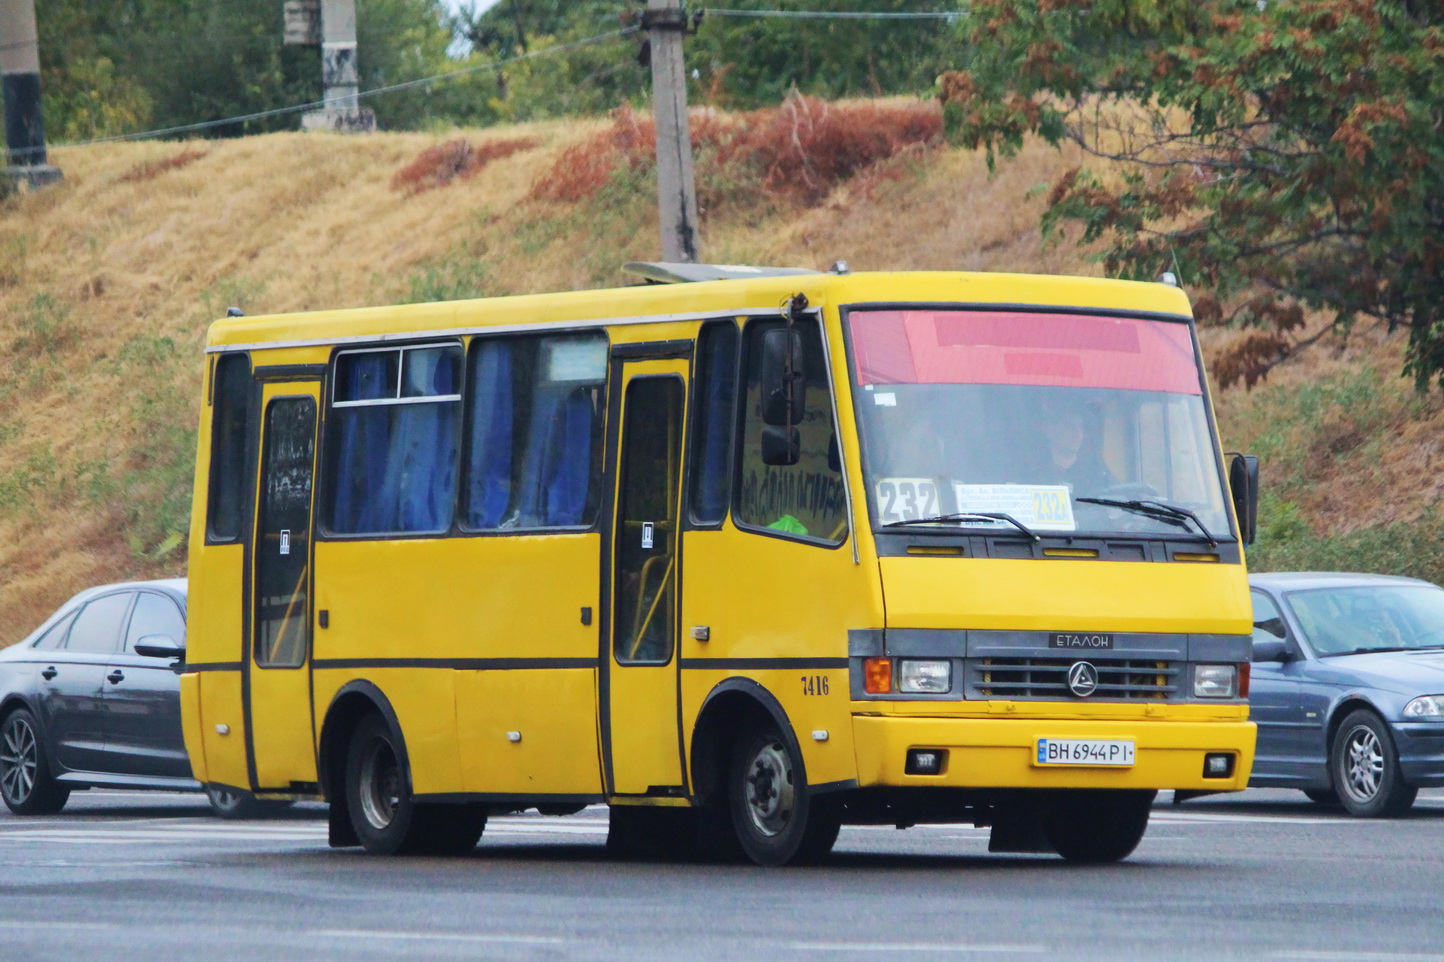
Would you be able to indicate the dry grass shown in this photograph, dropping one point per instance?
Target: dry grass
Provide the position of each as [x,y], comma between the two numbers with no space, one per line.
[107,283]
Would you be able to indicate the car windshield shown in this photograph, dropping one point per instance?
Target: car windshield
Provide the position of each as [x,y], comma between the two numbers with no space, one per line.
[1032,415]
[1344,621]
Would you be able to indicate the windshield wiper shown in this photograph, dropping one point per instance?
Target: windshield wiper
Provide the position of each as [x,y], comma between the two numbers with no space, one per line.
[1372,651]
[969,516]
[1159,511]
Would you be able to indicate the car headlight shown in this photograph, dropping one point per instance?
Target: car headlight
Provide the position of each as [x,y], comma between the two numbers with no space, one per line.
[1426,706]
[925,677]
[1215,681]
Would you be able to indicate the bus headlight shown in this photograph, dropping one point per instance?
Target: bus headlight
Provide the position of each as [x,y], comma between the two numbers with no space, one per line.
[925,677]
[1215,681]
[1426,707]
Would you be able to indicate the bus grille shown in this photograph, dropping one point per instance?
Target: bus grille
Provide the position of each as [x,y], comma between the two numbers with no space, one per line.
[1048,678]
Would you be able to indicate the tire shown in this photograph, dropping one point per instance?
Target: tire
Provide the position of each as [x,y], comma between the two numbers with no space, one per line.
[26,782]
[1096,826]
[231,803]
[775,817]
[1322,796]
[1365,768]
[387,820]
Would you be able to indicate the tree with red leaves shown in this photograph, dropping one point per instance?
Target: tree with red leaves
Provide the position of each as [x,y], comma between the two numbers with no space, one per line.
[1277,155]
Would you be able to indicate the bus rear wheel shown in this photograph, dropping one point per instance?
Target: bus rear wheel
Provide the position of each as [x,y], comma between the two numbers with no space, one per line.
[776,818]
[1096,826]
[387,820]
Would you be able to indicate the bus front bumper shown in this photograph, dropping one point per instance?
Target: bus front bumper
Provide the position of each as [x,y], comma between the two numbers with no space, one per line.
[1004,753]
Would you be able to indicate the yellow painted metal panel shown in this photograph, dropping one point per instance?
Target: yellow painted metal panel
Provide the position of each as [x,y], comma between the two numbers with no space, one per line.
[554,715]
[1066,595]
[474,597]
[190,699]
[766,597]
[999,753]
[219,704]
[424,700]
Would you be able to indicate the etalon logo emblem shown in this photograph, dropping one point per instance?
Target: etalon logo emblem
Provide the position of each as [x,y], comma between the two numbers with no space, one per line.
[1083,679]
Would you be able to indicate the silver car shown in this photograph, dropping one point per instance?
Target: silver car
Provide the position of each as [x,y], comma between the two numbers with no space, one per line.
[1348,688]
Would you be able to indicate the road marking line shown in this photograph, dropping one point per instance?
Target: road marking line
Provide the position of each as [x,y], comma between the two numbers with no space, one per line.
[32,924]
[1200,817]
[437,936]
[1364,956]
[912,947]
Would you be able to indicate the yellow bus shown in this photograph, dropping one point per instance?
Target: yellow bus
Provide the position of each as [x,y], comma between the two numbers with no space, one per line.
[745,554]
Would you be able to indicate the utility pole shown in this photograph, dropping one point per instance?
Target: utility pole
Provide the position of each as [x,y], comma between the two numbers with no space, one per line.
[666,23]
[20,78]
[331,25]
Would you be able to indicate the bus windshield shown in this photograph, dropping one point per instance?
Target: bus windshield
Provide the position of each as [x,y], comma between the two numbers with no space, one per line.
[1037,416]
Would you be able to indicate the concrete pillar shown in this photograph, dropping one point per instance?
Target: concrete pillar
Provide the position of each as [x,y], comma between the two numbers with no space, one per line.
[676,189]
[20,81]
[340,76]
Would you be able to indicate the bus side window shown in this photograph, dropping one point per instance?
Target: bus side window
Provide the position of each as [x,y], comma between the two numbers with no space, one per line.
[805,499]
[225,508]
[394,438]
[713,406]
[534,437]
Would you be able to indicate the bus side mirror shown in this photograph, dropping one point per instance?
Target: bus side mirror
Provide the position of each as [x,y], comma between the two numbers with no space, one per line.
[779,447]
[782,396]
[1243,483]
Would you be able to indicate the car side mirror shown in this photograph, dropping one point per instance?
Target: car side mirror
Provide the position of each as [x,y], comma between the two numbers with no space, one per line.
[1243,484]
[1271,649]
[159,646]
[781,447]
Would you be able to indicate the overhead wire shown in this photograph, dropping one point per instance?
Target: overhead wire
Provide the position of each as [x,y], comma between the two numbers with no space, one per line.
[835,14]
[363,95]
[497,65]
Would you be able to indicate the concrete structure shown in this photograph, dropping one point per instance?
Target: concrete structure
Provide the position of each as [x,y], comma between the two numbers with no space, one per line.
[20,79]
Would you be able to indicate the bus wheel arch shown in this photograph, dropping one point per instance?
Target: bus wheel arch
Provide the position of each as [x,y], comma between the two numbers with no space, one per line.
[744,746]
[350,706]
[730,709]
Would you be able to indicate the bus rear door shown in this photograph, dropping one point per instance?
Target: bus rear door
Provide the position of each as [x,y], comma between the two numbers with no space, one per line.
[278,671]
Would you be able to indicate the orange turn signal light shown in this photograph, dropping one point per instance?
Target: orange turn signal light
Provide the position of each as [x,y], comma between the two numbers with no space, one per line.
[877,676]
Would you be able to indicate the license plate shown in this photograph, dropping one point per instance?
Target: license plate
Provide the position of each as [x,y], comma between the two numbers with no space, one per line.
[1085,751]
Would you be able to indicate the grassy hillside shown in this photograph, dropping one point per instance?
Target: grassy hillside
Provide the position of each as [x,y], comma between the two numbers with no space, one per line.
[107,283]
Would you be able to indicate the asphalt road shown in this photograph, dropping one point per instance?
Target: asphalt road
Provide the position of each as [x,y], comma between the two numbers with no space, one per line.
[1261,875]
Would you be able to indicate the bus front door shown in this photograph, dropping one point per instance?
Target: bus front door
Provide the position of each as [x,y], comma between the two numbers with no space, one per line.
[277,684]
[641,739]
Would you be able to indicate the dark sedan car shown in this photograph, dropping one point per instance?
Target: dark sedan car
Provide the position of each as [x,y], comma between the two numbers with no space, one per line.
[1348,688]
[92,699]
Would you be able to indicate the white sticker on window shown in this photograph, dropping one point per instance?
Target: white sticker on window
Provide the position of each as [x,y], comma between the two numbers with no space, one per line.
[577,359]
[906,499]
[285,541]
[885,399]
[647,535]
[1044,507]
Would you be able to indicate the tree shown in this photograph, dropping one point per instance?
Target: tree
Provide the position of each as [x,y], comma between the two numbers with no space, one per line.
[1277,155]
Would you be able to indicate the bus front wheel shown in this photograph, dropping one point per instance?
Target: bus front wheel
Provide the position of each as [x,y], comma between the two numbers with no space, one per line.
[1094,826]
[388,821]
[775,816]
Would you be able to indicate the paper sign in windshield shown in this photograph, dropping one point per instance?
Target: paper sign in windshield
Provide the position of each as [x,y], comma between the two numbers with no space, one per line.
[906,499]
[1042,507]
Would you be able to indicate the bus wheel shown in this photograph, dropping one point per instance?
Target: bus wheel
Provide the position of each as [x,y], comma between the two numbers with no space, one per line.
[776,819]
[386,818]
[1094,826]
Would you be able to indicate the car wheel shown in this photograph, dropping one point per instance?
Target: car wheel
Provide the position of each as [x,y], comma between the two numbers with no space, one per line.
[1322,796]
[1365,768]
[235,804]
[26,783]
[775,816]
[387,820]
[1094,826]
